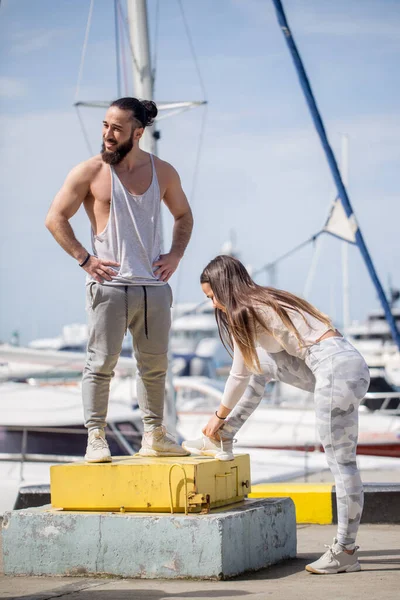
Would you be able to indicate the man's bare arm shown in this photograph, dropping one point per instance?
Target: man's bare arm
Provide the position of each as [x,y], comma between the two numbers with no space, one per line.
[176,201]
[66,203]
[64,206]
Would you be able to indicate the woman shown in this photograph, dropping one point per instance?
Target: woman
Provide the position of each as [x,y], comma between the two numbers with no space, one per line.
[276,334]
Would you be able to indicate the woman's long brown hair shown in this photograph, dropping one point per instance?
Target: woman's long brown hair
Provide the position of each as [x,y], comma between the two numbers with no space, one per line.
[234,289]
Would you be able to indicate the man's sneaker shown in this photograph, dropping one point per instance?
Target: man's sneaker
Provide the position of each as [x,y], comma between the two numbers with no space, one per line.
[335,560]
[205,446]
[160,443]
[97,448]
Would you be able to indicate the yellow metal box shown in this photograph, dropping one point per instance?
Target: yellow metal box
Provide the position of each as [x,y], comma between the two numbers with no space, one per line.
[141,484]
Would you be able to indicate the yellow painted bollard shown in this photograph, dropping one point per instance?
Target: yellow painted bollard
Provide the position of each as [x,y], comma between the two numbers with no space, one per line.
[313,501]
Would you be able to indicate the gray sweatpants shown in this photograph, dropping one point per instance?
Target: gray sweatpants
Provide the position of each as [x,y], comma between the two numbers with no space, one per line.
[146,312]
[339,378]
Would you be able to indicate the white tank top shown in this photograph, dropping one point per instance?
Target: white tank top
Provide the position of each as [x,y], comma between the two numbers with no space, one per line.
[132,236]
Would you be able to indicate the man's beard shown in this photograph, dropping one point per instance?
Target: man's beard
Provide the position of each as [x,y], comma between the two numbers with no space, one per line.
[114,157]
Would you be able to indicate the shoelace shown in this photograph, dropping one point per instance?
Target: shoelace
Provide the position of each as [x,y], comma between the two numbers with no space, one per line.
[168,436]
[98,443]
[221,441]
[329,554]
[332,552]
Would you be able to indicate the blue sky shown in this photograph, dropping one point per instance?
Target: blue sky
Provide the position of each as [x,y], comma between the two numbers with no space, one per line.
[262,173]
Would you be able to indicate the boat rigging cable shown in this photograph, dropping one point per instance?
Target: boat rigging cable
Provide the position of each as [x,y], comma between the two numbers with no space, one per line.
[80,74]
[341,190]
[202,130]
[193,51]
[122,50]
[203,89]
[272,264]
[118,66]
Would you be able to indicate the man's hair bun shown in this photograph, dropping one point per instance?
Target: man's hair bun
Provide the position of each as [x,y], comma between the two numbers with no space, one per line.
[151,111]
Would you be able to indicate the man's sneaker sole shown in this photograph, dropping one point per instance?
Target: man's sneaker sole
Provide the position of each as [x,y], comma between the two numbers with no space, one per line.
[348,569]
[197,452]
[151,452]
[98,460]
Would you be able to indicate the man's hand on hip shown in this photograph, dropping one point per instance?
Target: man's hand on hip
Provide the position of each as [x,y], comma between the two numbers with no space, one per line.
[167,265]
[97,268]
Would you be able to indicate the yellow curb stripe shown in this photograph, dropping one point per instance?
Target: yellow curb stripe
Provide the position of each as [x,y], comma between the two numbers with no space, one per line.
[313,501]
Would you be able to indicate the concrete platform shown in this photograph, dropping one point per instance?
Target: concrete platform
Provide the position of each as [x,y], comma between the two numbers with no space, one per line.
[379,578]
[247,536]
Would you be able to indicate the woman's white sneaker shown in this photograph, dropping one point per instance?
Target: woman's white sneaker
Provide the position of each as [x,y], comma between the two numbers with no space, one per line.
[335,560]
[160,443]
[97,448]
[205,446]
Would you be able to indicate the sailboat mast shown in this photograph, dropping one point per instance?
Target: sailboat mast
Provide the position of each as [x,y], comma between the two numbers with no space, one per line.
[341,189]
[345,246]
[143,79]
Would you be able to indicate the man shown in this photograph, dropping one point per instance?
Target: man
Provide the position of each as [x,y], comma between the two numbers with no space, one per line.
[127,277]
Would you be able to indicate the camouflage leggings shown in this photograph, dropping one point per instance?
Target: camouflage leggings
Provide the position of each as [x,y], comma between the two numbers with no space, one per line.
[339,378]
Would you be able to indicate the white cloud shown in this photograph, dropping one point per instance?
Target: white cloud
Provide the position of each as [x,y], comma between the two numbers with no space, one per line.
[337,23]
[50,144]
[12,88]
[22,43]
[336,19]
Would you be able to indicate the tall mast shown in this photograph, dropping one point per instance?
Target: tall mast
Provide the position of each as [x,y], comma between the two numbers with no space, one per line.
[143,79]
[341,189]
[345,246]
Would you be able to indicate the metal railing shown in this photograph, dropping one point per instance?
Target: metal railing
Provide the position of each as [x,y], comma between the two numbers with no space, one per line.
[386,398]
[24,457]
